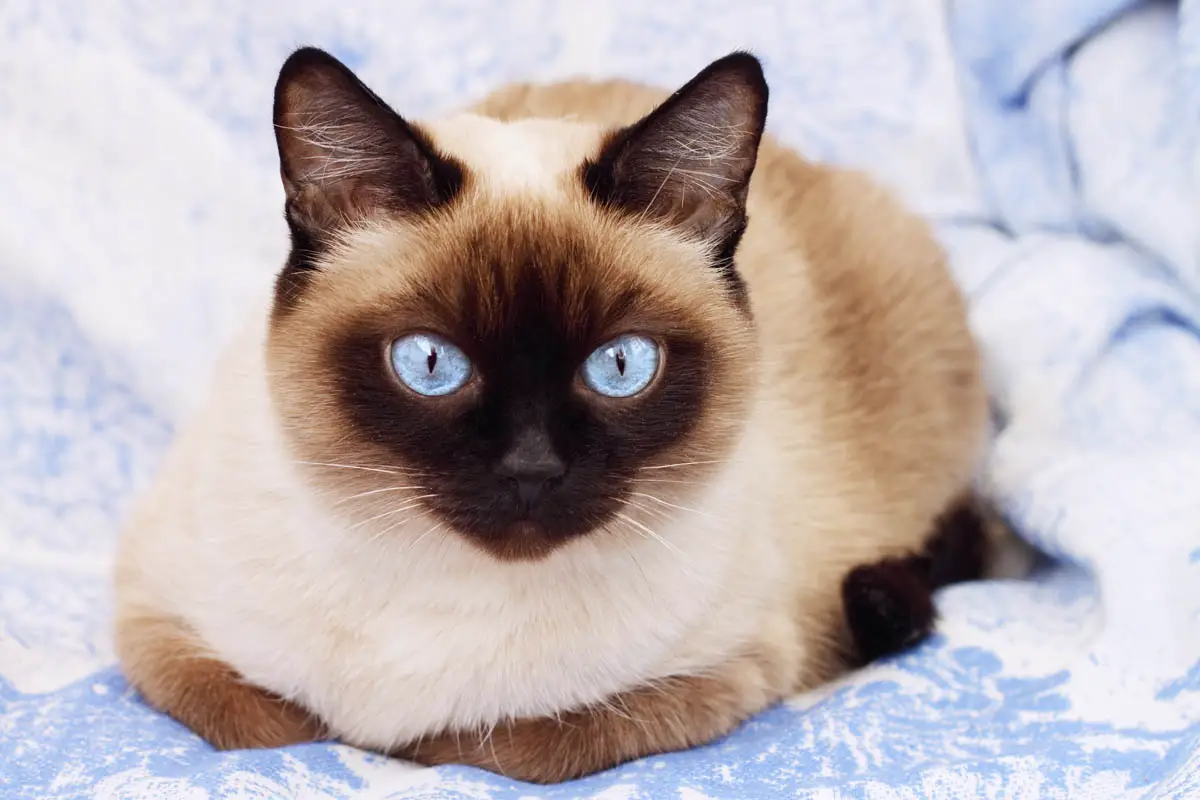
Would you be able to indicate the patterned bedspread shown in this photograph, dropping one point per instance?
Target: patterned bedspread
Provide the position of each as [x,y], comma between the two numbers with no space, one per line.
[1055,144]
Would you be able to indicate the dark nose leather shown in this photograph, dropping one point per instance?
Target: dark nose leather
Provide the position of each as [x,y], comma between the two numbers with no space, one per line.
[532,464]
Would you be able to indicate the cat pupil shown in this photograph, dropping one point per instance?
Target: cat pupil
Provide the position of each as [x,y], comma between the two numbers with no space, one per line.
[621,361]
[431,359]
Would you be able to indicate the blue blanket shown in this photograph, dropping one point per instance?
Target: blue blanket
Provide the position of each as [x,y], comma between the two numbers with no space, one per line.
[1055,145]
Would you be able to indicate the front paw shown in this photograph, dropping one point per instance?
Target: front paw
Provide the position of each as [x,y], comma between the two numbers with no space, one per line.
[171,668]
[662,716]
[539,751]
[249,718]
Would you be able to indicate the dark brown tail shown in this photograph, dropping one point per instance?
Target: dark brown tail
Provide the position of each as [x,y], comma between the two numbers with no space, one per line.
[889,604]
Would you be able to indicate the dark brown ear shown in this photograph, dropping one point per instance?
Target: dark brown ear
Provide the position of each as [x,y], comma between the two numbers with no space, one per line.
[344,155]
[688,163]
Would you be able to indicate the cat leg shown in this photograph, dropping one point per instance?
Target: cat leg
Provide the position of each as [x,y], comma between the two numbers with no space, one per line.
[671,714]
[165,661]
[889,604]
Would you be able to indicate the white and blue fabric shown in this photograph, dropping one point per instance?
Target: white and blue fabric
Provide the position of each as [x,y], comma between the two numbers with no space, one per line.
[1056,146]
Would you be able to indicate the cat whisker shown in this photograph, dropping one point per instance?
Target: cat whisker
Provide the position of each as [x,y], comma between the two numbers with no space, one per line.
[664,480]
[397,469]
[421,538]
[684,563]
[412,503]
[377,491]
[675,506]
[645,577]
[657,512]
[331,465]
[652,534]
[681,464]
[380,534]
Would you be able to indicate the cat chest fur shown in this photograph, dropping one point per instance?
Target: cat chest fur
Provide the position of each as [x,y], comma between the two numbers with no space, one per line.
[389,648]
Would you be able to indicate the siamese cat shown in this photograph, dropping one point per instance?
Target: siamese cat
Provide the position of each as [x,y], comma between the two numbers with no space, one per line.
[583,425]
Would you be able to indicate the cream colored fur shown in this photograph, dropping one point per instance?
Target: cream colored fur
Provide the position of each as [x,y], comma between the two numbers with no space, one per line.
[866,421]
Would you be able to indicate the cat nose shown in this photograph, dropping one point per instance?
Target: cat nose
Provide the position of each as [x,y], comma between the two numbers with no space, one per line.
[532,464]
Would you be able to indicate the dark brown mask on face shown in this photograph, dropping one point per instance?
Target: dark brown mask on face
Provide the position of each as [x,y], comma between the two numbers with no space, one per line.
[523,359]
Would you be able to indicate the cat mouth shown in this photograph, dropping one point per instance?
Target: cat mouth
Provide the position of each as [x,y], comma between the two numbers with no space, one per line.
[499,523]
[522,536]
[528,531]
[522,540]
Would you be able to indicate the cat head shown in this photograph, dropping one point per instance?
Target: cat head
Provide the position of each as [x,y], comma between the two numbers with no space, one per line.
[508,331]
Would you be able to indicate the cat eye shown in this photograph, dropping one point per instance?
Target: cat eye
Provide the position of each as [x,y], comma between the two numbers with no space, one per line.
[429,364]
[622,367]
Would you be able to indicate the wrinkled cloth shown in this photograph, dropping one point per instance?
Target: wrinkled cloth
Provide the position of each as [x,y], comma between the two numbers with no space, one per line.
[1054,146]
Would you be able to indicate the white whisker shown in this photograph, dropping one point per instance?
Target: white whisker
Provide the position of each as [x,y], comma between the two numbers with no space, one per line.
[681,464]
[633,525]
[650,533]
[412,503]
[419,539]
[657,512]
[674,506]
[397,524]
[646,578]
[377,491]
[386,471]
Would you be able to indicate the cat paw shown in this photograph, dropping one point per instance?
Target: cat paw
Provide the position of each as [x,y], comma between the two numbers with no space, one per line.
[165,661]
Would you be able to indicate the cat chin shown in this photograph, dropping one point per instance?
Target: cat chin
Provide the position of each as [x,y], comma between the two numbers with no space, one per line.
[523,540]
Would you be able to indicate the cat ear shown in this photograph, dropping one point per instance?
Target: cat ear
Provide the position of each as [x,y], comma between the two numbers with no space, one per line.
[344,155]
[689,161]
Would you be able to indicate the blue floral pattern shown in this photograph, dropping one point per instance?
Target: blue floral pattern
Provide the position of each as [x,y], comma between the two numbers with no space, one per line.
[1055,147]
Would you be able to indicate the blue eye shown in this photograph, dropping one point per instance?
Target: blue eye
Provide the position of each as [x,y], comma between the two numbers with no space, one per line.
[430,365]
[622,367]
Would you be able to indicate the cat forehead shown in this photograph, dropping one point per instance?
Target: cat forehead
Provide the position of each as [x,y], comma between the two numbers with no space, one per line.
[497,261]
[527,155]
[518,275]
[522,235]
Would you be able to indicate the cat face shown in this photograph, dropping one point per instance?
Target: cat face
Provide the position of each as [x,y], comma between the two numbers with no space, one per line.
[514,355]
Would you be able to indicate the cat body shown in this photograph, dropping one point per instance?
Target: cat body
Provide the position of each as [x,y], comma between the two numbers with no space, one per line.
[319,559]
